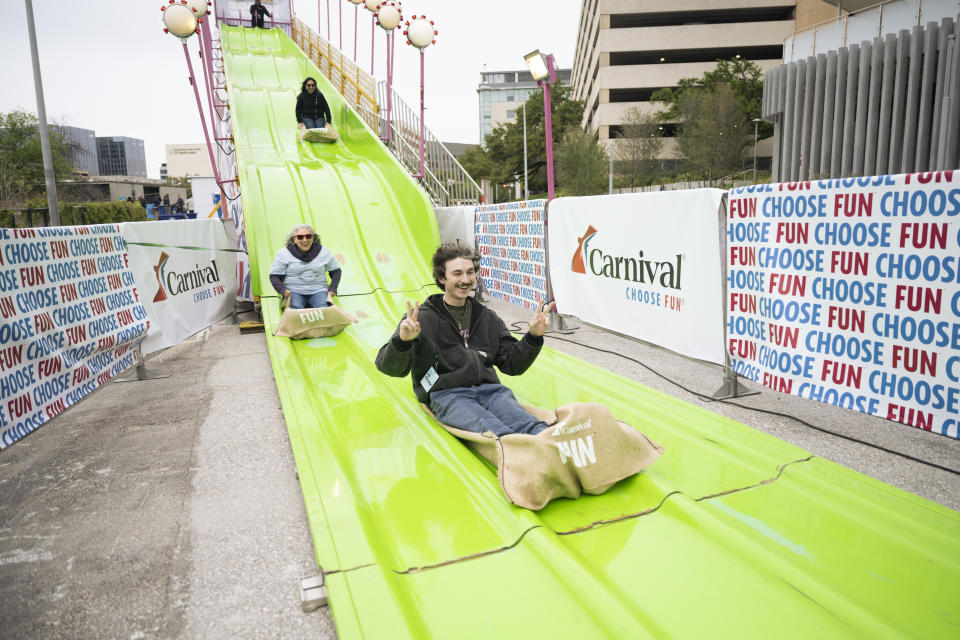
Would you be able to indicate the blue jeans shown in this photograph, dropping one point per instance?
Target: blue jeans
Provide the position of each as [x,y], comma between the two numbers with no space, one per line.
[308,301]
[314,123]
[487,407]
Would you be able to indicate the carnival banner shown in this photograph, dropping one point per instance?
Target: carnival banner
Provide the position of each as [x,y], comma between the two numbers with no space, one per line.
[642,264]
[185,270]
[847,291]
[71,320]
[510,237]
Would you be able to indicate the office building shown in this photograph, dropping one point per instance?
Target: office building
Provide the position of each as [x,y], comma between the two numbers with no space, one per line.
[627,49]
[121,156]
[81,147]
[502,93]
[868,93]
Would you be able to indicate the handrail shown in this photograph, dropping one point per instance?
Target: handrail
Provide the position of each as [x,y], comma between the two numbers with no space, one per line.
[354,84]
[445,167]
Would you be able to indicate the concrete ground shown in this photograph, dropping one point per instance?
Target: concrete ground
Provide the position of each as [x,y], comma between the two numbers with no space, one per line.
[161,508]
[168,509]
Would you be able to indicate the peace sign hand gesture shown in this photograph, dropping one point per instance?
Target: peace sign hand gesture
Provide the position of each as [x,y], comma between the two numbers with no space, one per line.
[409,327]
[541,319]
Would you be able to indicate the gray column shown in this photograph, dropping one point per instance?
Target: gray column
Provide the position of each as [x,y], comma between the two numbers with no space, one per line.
[777,153]
[850,110]
[886,104]
[908,159]
[814,169]
[950,123]
[898,102]
[809,95]
[839,109]
[929,73]
[787,124]
[796,141]
[873,107]
[829,94]
[946,29]
[863,106]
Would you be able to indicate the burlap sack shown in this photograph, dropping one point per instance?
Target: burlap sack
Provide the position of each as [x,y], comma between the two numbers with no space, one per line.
[584,450]
[298,324]
[326,134]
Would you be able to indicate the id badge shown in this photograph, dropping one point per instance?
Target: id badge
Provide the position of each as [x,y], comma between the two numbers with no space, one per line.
[428,380]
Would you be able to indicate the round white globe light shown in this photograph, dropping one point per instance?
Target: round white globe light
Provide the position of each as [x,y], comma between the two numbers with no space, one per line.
[357,1]
[372,5]
[179,20]
[388,16]
[420,33]
[199,7]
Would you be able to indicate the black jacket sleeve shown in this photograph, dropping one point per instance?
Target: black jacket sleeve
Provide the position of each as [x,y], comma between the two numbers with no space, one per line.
[334,280]
[396,357]
[325,108]
[299,109]
[277,281]
[514,356]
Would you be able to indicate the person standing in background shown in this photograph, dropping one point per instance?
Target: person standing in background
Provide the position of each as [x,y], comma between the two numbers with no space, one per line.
[257,11]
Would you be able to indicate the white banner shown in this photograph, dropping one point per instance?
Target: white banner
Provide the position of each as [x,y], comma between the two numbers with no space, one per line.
[186,273]
[848,292]
[643,264]
[70,319]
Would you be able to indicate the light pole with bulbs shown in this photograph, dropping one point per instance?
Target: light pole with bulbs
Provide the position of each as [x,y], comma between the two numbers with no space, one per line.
[420,32]
[180,20]
[371,6]
[542,69]
[389,17]
[356,11]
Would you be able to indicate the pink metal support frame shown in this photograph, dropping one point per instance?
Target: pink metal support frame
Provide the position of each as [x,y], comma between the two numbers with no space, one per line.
[206,134]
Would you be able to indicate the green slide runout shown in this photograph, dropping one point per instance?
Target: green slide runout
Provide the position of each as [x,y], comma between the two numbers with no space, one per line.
[731,534]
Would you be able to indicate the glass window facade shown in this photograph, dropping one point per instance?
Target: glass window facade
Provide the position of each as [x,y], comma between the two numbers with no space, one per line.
[121,156]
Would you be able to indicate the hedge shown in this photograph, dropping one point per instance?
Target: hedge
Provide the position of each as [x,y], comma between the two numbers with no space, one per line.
[75,214]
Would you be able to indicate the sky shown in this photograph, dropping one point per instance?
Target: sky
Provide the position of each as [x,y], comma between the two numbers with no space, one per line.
[109,67]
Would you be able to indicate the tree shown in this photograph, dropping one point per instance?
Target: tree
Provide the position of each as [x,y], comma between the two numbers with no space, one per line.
[581,164]
[181,181]
[637,148]
[21,158]
[714,132]
[502,160]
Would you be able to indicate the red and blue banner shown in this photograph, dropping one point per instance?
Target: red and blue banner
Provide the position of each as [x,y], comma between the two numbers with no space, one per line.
[847,291]
[71,320]
[510,237]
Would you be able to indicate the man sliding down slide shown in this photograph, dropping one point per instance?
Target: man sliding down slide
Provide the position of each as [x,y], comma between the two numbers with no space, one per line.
[450,344]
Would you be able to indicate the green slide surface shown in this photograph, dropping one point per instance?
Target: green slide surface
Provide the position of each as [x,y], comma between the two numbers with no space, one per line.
[731,534]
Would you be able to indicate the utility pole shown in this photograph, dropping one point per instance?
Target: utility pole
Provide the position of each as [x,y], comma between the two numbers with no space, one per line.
[48,174]
[526,190]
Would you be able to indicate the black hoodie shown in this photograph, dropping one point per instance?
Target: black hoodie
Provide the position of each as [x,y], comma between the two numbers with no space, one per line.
[458,362]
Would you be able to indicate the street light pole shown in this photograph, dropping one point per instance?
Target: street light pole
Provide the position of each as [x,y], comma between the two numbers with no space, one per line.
[756,121]
[52,203]
[549,124]
[526,189]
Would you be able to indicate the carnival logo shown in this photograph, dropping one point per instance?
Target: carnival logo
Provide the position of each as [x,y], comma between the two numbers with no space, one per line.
[158,272]
[171,283]
[594,261]
[579,261]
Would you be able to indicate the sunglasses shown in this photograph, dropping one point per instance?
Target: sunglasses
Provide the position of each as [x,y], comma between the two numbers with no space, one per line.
[301,236]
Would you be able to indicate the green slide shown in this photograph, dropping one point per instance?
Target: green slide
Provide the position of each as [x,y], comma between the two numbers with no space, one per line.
[731,534]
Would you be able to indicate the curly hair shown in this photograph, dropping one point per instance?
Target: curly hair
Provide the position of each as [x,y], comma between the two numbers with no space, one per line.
[444,254]
[293,232]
